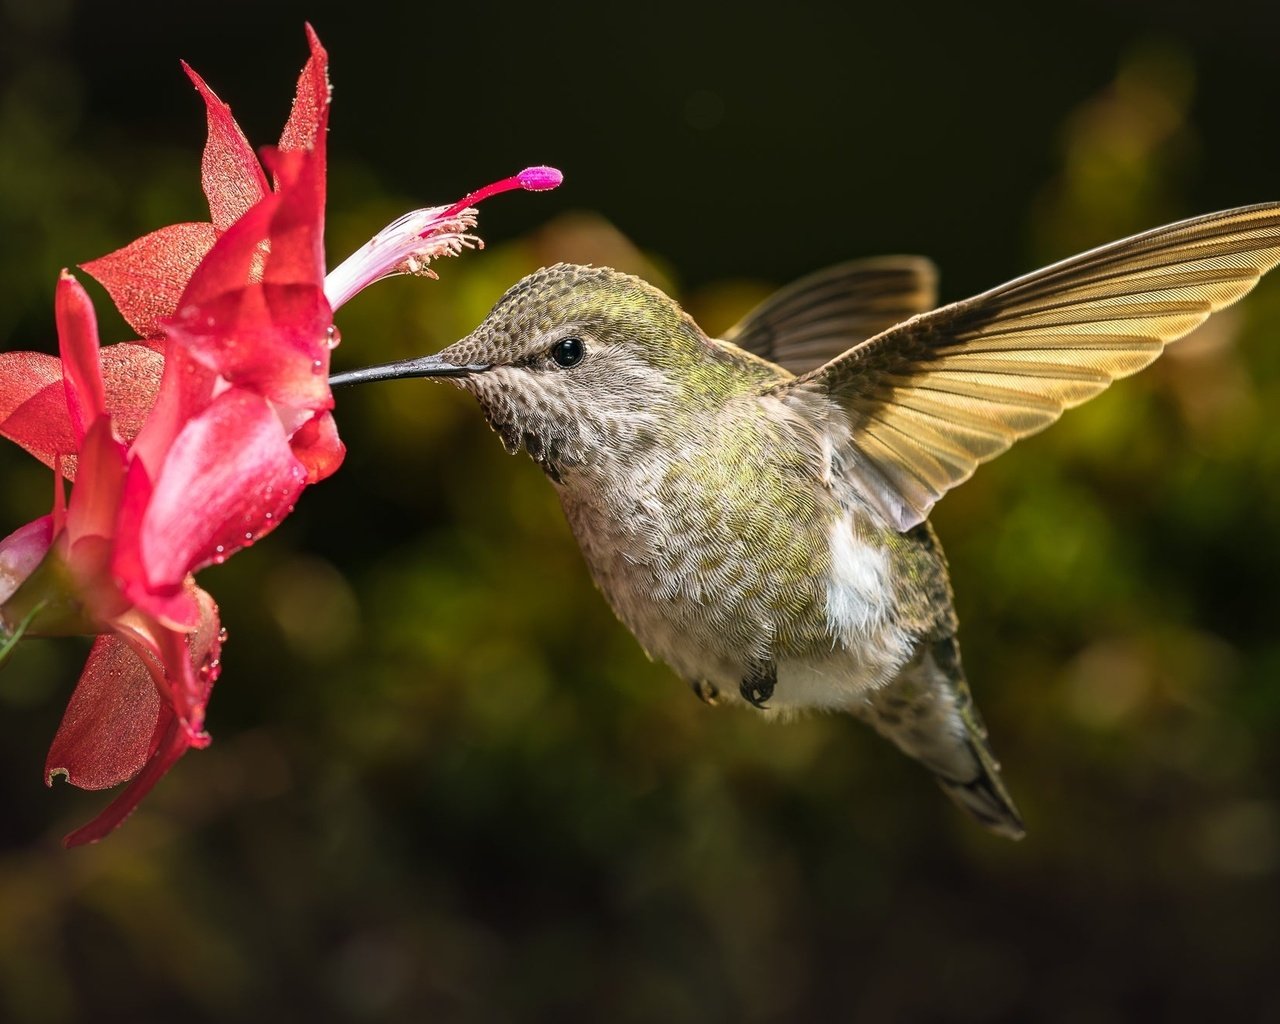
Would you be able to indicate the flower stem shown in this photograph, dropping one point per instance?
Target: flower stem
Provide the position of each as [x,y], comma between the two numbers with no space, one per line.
[49,602]
[8,640]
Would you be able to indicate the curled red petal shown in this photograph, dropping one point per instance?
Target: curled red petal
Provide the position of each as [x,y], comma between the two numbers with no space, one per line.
[317,446]
[169,743]
[146,278]
[106,732]
[232,177]
[78,345]
[228,479]
[107,737]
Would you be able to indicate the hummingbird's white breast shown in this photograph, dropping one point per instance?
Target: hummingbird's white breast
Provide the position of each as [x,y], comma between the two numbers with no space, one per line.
[722,557]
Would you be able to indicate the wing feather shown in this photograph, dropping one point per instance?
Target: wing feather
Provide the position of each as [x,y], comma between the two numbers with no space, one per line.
[818,317]
[930,399]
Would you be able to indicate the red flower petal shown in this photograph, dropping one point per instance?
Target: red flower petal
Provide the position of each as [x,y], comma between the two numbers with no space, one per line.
[309,118]
[193,663]
[280,241]
[186,388]
[33,405]
[297,223]
[286,362]
[146,278]
[317,447]
[232,177]
[23,375]
[185,667]
[169,742]
[106,732]
[131,374]
[95,498]
[228,479]
[78,346]
[171,605]
[255,311]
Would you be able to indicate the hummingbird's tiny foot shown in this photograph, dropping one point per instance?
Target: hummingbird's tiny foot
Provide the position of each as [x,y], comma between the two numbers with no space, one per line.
[757,688]
[706,692]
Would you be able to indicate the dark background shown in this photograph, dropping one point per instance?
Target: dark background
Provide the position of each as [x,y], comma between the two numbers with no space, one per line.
[445,785]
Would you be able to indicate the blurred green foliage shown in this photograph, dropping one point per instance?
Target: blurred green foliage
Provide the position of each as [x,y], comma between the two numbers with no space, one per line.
[445,784]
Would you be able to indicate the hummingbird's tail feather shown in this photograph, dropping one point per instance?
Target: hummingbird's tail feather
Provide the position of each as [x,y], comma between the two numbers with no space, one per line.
[928,714]
[984,795]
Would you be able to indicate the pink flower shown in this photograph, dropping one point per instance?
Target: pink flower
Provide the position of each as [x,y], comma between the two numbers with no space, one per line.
[193,443]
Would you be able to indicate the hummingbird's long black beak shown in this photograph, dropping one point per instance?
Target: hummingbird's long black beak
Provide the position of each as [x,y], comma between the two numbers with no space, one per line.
[426,366]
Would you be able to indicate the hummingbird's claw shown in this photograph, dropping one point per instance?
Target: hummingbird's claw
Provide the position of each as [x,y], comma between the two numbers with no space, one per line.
[757,688]
[706,692]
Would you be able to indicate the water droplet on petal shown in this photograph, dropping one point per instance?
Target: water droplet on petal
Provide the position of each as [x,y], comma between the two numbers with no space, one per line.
[333,336]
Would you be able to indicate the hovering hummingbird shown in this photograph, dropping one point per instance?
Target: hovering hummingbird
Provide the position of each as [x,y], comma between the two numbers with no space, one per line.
[755,507]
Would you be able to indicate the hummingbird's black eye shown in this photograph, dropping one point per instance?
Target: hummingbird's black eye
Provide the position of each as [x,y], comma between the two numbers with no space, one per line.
[568,352]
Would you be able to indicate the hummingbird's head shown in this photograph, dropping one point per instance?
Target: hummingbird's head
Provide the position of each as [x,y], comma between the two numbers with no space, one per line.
[580,365]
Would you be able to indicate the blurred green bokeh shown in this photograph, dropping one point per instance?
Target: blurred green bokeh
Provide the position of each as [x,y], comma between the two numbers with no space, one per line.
[445,784]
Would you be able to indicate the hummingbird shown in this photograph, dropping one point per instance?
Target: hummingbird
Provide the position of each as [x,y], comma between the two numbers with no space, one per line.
[755,507]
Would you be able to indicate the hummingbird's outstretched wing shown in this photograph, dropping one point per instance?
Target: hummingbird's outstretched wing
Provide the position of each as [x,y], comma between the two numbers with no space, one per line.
[930,399]
[827,313]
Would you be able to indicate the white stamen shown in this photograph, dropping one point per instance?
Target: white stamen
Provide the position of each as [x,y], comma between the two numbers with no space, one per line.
[405,246]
